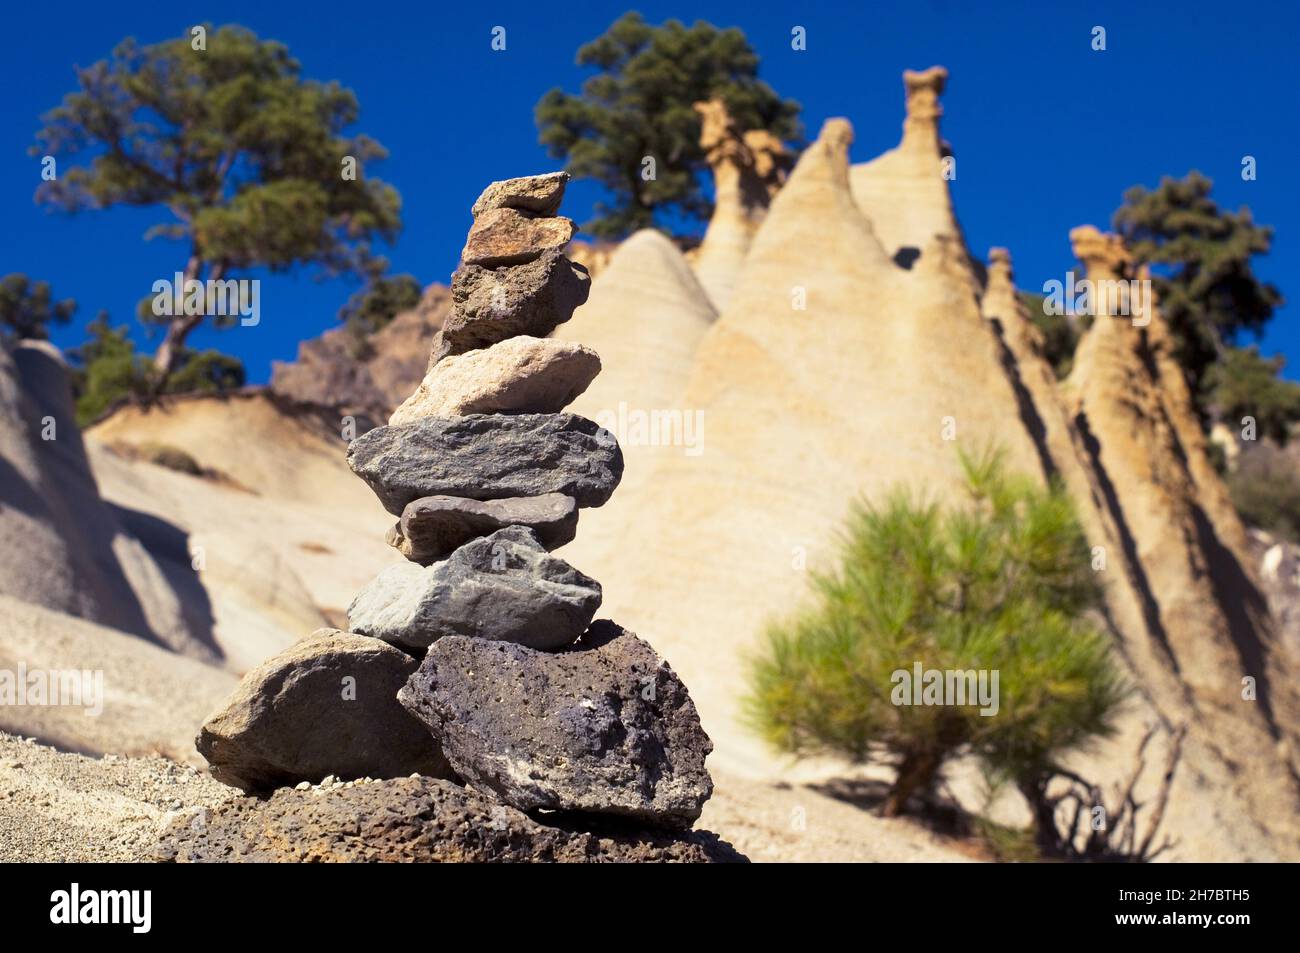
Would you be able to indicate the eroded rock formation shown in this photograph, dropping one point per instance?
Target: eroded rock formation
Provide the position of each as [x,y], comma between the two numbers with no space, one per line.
[861,347]
[748,169]
[1204,627]
[61,545]
[365,378]
[905,191]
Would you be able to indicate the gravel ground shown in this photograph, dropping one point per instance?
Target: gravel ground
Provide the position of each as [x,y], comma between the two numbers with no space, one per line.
[56,806]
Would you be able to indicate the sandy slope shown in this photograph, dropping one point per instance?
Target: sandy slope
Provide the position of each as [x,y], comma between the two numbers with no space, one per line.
[153,699]
[280,556]
[56,806]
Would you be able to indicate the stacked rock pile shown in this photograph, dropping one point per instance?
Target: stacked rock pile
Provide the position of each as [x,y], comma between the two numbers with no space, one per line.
[474,665]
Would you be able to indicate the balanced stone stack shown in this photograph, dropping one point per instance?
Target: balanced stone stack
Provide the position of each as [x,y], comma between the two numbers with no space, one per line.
[475,664]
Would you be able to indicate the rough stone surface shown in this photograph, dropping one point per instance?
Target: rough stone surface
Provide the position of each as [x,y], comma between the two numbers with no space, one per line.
[539,194]
[412,820]
[503,587]
[290,720]
[605,727]
[525,375]
[435,526]
[490,305]
[507,236]
[488,457]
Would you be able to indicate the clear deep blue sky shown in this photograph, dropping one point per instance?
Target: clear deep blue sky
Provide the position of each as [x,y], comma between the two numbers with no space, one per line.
[1048,133]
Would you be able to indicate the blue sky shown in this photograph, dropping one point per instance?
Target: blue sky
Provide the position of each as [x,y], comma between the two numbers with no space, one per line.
[1048,133]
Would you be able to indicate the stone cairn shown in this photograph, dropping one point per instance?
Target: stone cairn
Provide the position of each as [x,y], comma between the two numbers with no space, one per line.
[473,672]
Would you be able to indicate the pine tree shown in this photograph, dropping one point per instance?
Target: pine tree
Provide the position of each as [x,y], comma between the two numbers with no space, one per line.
[1002,582]
[639,106]
[106,369]
[1201,262]
[28,308]
[248,161]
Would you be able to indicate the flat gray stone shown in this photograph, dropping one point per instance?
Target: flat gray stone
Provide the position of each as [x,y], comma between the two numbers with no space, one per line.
[488,457]
[604,727]
[326,705]
[503,587]
[433,527]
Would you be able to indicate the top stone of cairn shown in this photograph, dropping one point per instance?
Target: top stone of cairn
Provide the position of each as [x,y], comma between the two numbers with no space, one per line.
[539,194]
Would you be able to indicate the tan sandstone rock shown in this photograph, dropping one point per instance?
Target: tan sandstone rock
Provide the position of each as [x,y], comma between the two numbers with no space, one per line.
[646,317]
[829,375]
[515,376]
[539,194]
[904,191]
[748,169]
[507,236]
[1204,625]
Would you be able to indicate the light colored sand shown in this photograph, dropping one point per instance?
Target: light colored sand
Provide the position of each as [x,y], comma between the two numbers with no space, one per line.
[280,557]
[153,699]
[59,807]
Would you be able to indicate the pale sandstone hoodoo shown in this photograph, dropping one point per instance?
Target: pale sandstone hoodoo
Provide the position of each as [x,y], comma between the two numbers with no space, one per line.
[904,192]
[1204,625]
[646,316]
[61,545]
[830,374]
[748,169]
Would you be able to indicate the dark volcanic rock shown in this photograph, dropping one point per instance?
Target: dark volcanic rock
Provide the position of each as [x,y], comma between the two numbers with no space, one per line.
[326,705]
[503,587]
[488,457]
[412,820]
[604,727]
[432,527]
[492,304]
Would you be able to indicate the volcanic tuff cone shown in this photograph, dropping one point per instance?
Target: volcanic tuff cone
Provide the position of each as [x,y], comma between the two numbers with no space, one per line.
[646,317]
[905,191]
[859,335]
[833,371]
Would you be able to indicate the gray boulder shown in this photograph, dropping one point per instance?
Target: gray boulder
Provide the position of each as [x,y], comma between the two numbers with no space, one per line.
[327,705]
[411,820]
[504,587]
[604,727]
[492,304]
[488,457]
[433,527]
